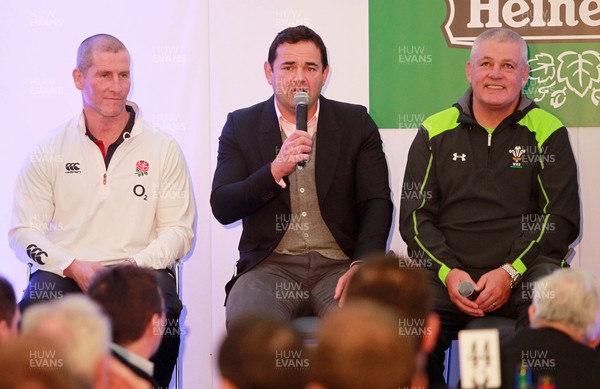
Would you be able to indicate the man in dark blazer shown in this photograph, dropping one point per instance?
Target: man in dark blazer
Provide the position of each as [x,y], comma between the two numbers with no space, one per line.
[305,224]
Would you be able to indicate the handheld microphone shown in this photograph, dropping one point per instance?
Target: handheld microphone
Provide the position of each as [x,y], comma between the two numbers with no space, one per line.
[301,102]
[467,289]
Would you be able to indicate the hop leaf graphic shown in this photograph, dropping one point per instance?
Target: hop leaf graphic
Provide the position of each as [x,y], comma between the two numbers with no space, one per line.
[542,68]
[579,70]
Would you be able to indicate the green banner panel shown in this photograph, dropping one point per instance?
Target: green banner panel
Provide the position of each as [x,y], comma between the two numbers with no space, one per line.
[418,52]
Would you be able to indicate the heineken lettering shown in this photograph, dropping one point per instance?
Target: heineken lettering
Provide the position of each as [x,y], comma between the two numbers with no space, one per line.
[534,20]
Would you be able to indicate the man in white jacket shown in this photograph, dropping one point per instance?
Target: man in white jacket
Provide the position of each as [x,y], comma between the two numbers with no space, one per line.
[107,188]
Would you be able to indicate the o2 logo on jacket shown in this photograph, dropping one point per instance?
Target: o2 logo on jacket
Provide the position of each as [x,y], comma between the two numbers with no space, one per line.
[140,191]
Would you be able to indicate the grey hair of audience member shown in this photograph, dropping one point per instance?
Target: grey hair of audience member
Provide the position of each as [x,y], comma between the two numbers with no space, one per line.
[570,297]
[78,324]
[501,35]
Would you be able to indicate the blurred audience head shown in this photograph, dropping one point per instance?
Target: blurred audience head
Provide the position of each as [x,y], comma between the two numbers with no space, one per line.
[260,352]
[30,362]
[131,298]
[78,326]
[9,312]
[359,347]
[399,283]
[568,300]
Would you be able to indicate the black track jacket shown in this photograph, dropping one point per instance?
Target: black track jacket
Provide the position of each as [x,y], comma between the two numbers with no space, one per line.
[473,199]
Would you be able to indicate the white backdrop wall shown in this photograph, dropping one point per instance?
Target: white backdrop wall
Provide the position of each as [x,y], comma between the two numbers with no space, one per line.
[193,62]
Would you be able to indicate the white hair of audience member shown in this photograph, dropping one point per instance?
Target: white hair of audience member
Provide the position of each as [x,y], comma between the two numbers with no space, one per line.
[77,323]
[570,297]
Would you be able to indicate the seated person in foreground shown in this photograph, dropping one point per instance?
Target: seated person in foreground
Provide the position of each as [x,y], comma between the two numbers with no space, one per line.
[565,329]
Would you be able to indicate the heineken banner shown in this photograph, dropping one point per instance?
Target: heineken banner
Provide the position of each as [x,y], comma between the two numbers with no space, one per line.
[419,50]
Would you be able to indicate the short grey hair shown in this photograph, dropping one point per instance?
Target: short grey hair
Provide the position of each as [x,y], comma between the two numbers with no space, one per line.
[501,35]
[570,297]
[76,322]
[99,42]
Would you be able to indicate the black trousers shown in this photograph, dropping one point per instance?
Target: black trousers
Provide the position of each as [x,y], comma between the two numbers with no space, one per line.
[45,286]
[453,319]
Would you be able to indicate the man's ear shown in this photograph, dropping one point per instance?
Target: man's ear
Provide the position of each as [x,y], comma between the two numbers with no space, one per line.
[268,72]
[155,325]
[468,72]
[325,74]
[432,331]
[4,330]
[531,312]
[525,76]
[78,78]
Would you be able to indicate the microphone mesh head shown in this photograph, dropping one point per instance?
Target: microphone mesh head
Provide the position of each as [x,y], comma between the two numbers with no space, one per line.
[465,288]
[301,98]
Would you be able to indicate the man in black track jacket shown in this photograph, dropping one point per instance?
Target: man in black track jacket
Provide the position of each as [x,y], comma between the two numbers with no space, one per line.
[490,193]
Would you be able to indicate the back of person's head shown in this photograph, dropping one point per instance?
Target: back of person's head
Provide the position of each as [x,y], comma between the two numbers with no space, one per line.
[359,347]
[501,35]
[570,297]
[294,35]
[35,363]
[9,313]
[99,42]
[397,282]
[131,298]
[78,325]
[263,353]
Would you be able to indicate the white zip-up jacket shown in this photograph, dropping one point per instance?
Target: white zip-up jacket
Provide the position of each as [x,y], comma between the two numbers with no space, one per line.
[68,205]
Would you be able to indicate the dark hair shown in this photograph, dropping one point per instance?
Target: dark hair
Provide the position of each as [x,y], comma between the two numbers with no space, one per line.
[8,301]
[397,282]
[263,353]
[359,346]
[295,35]
[129,296]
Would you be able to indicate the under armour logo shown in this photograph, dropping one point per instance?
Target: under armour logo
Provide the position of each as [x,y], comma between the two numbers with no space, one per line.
[72,166]
[463,157]
[36,253]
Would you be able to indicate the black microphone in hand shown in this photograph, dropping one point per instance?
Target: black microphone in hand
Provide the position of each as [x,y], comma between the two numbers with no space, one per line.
[301,102]
[467,289]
